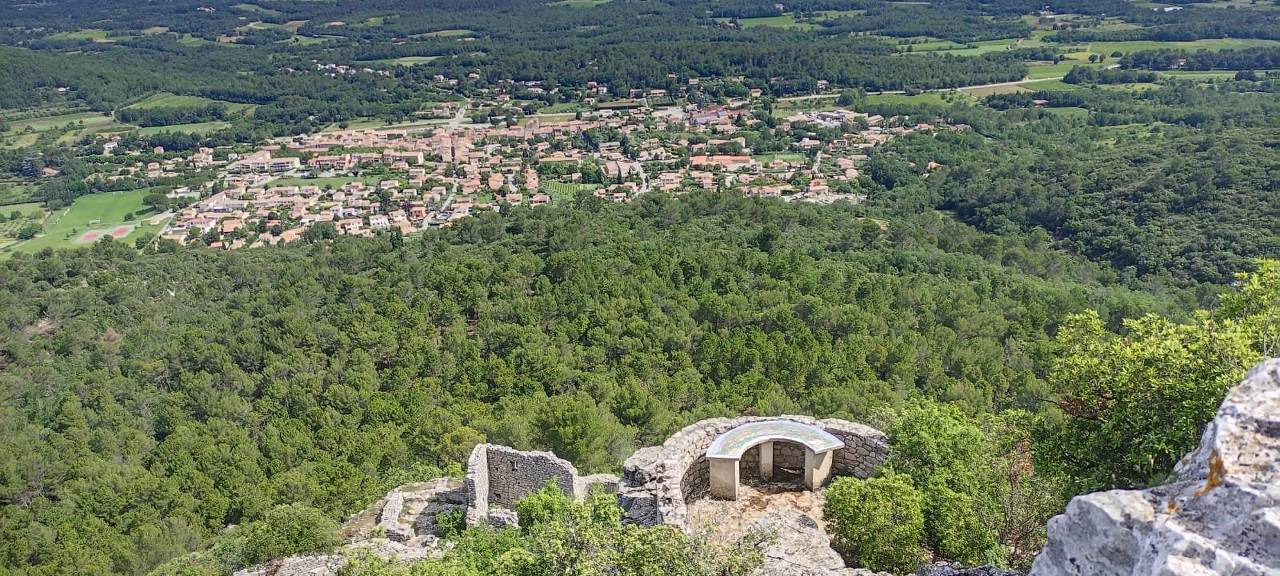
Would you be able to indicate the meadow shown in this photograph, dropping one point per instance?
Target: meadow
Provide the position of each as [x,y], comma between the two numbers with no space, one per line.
[783,21]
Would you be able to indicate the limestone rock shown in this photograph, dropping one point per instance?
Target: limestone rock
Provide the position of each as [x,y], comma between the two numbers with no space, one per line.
[325,565]
[943,569]
[1221,517]
[801,548]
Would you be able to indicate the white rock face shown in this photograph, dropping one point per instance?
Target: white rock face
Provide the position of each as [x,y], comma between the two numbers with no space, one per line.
[1222,516]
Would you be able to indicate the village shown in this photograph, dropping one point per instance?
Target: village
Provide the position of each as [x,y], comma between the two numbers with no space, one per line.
[365,181]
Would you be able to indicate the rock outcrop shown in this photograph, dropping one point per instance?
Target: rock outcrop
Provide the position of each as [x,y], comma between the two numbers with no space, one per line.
[800,548]
[1222,515]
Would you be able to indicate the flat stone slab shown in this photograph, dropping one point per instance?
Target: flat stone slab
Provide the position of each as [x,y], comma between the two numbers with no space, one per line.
[732,444]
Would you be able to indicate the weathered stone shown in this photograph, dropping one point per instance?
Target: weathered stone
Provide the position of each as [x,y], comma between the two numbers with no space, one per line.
[943,569]
[322,565]
[799,548]
[1221,517]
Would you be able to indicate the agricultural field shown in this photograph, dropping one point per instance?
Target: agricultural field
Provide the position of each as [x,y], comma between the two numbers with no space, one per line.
[89,218]
[192,128]
[565,191]
[13,193]
[67,128]
[922,98]
[1107,48]
[27,213]
[94,34]
[783,21]
[1049,85]
[167,100]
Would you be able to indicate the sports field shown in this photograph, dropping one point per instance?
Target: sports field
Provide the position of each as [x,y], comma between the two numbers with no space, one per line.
[88,219]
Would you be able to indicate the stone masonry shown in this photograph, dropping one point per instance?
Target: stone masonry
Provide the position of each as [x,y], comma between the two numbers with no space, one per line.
[499,476]
[659,481]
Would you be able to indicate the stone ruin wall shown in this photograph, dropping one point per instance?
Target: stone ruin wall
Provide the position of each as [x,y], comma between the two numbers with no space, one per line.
[659,481]
[499,476]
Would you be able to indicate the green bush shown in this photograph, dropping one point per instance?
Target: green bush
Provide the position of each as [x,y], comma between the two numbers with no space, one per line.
[877,521]
[452,523]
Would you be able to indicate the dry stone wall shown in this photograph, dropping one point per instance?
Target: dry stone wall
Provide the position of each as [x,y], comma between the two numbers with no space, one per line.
[499,476]
[659,481]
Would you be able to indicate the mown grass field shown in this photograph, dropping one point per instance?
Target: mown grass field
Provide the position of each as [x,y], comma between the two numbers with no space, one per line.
[105,211]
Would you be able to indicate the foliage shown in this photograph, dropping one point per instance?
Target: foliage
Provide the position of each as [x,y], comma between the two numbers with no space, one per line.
[559,536]
[282,531]
[877,521]
[1134,405]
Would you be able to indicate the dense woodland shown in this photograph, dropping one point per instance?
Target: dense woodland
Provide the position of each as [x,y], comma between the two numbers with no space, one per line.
[153,399]
[1058,307]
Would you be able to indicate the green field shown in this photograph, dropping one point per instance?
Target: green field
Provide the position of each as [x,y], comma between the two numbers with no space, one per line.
[792,157]
[783,21]
[87,34]
[50,122]
[449,33]
[565,191]
[1049,85]
[402,61]
[1207,44]
[1069,112]
[68,127]
[194,42]
[103,211]
[983,91]
[167,100]
[193,128]
[564,108]
[923,98]
[15,193]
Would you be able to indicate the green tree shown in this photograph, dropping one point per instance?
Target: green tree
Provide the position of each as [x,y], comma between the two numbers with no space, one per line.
[877,521]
